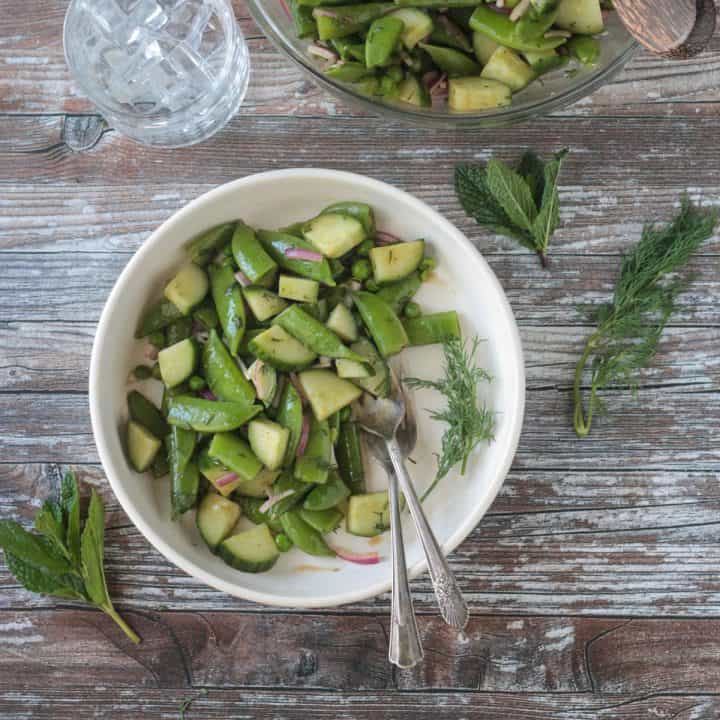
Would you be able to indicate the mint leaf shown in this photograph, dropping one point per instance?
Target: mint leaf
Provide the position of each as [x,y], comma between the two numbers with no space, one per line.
[548,219]
[34,550]
[92,549]
[70,503]
[49,522]
[39,580]
[512,193]
[532,169]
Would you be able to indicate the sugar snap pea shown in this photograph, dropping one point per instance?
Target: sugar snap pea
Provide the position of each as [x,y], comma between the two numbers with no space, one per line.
[249,254]
[382,40]
[348,453]
[205,246]
[504,31]
[328,495]
[435,328]
[185,477]
[324,521]
[344,20]
[208,415]
[224,377]
[278,244]
[382,322]
[314,465]
[303,535]
[157,317]
[290,416]
[229,304]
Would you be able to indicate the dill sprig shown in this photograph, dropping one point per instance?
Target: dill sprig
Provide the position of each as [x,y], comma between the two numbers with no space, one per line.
[467,422]
[630,326]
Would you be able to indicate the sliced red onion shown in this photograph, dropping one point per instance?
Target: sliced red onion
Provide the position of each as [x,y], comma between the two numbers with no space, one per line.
[439,86]
[226,480]
[303,254]
[286,8]
[322,52]
[295,382]
[368,558]
[207,395]
[430,78]
[274,500]
[242,278]
[386,238]
[304,436]
[278,391]
[254,374]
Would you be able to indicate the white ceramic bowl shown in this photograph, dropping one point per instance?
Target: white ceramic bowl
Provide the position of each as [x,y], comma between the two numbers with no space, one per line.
[463,281]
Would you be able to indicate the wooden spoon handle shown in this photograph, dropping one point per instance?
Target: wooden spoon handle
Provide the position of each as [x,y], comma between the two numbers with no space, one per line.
[672,28]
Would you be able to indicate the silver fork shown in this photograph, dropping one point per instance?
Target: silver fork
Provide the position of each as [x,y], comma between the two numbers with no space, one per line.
[381,417]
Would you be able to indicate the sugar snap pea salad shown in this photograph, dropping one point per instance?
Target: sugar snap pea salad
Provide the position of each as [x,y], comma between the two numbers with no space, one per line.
[470,54]
[264,339]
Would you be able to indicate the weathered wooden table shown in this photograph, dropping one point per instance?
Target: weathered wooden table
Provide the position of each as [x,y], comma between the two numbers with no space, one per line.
[594,580]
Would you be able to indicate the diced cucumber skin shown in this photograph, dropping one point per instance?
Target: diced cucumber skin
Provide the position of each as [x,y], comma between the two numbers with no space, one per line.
[369,514]
[334,234]
[326,392]
[178,362]
[313,466]
[203,248]
[233,452]
[350,369]
[225,379]
[216,517]
[476,93]
[417,25]
[298,289]
[342,323]
[251,551]
[324,521]
[348,453]
[377,384]
[269,441]
[435,328]
[304,536]
[362,211]
[142,446]
[188,288]
[263,303]
[391,263]
[324,497]
[507,67]
[157,317]
[144,412]
[279,349]
[209,416]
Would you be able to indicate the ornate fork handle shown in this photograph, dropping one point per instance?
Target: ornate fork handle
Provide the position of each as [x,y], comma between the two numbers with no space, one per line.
[452,605]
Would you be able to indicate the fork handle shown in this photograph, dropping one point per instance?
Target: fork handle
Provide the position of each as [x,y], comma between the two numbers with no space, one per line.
[405,649]
[453,607]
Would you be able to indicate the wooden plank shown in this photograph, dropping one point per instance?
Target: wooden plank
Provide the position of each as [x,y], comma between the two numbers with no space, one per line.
[55,357]
[610,656]
[64,287]
[34,78]
[47,703]
[583,543]
[604,219]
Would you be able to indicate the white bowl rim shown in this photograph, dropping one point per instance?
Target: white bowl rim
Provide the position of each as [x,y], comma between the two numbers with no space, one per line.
[95,383]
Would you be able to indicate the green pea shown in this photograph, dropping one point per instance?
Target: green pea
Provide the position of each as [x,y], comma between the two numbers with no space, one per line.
[361,269]
[283,542]
[196,383]
[364,248]
[157,339]
[142,372]
[371,285]
[412,310]
[426,267]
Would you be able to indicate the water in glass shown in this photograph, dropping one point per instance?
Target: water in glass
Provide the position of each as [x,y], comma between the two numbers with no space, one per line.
[163,72]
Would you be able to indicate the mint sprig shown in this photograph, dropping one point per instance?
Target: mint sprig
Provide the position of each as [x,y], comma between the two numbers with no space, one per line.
[62,558]
[523,204]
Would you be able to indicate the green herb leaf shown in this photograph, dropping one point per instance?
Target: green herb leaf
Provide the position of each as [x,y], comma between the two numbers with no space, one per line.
[35,550]
[70,503]
[522,205]
[630,327]
[40,580]
[92,551]
[512,193]
[49,522]
[468,423]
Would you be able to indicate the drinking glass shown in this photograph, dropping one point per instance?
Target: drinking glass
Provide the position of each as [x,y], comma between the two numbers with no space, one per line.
[163,72]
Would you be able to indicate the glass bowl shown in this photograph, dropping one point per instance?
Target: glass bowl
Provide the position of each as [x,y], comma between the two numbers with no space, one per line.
[555,90]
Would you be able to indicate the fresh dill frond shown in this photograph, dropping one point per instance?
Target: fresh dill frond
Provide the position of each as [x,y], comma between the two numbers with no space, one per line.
[468,422]
[630,326]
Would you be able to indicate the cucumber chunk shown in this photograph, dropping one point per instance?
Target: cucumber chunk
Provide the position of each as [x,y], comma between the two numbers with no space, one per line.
[233,452]
[216,517]
[263,303]
[324,521]
[142,446]
[178,362]
[368,515]
[326,392]
[476,93]
[299,289]
[351,369]
[483,46]
[213,470]
[334,234]
[281,350]
[580,16]
[413,92]
[144,412]
[188,288]
[378,383]
[507,67]
[342,323]
[268,441]
[252,550]
[395,262]
[417,25]
[259,486]
[544,61]
[362,211]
